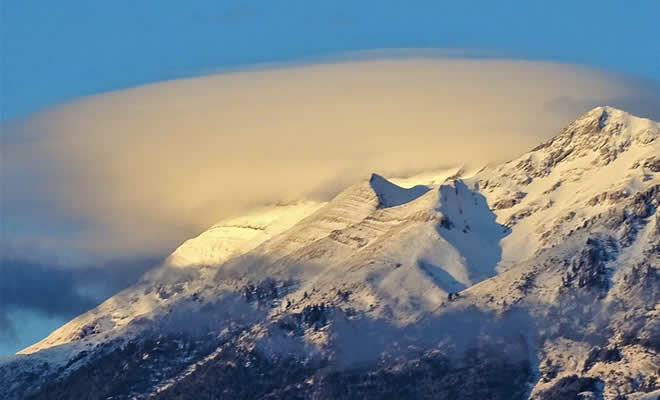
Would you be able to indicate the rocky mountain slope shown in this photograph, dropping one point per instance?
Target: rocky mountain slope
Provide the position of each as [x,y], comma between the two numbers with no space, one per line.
[537,278]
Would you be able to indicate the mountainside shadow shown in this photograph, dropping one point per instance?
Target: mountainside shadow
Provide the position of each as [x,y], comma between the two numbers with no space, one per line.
[440,276]
[471,227]
[391,195]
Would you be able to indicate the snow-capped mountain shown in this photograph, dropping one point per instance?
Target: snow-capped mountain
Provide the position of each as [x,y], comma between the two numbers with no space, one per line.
[534,278]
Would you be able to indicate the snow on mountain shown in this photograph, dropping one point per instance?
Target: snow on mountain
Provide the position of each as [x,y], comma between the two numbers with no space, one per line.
[210,248]
[603,157]
[239,235]
[558,249]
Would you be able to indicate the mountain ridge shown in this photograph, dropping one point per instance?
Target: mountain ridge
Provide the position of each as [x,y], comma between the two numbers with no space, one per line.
[567,227]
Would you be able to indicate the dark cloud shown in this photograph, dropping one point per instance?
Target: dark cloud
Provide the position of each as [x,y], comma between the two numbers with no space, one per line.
[7,329]
[35,286]
[54,290]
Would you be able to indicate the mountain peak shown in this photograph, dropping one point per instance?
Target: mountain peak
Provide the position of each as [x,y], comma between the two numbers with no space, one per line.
[612,120]
[603,116]
[603,133]
[391,195]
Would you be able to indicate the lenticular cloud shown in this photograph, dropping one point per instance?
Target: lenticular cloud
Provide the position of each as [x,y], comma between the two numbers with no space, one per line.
[135,172]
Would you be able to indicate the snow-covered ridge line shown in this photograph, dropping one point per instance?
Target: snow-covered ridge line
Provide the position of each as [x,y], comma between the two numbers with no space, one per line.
[222,242]
[575,215]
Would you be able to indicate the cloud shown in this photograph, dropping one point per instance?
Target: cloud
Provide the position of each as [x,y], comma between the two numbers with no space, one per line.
[7,330]
[133,173]
[34,291]
[645,102]
[52,290]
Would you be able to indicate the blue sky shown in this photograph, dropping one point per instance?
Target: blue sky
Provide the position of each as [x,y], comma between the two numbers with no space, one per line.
[56,51]
[53,51]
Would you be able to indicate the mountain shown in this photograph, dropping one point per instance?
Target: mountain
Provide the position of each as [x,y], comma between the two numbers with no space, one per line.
[536,278]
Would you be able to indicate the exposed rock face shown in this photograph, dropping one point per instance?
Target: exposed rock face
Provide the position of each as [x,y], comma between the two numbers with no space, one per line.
[588,267]
[510,202]
[597,354]
[572,387]
[636,213]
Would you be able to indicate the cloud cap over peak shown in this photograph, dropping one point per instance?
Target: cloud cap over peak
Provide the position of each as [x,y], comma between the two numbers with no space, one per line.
[135,172]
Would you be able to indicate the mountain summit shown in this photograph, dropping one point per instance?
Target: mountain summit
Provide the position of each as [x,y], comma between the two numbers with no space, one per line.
[536,278]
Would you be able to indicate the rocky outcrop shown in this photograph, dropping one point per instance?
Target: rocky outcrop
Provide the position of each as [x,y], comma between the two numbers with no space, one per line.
[509,202]
[572,387]
[587,269]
